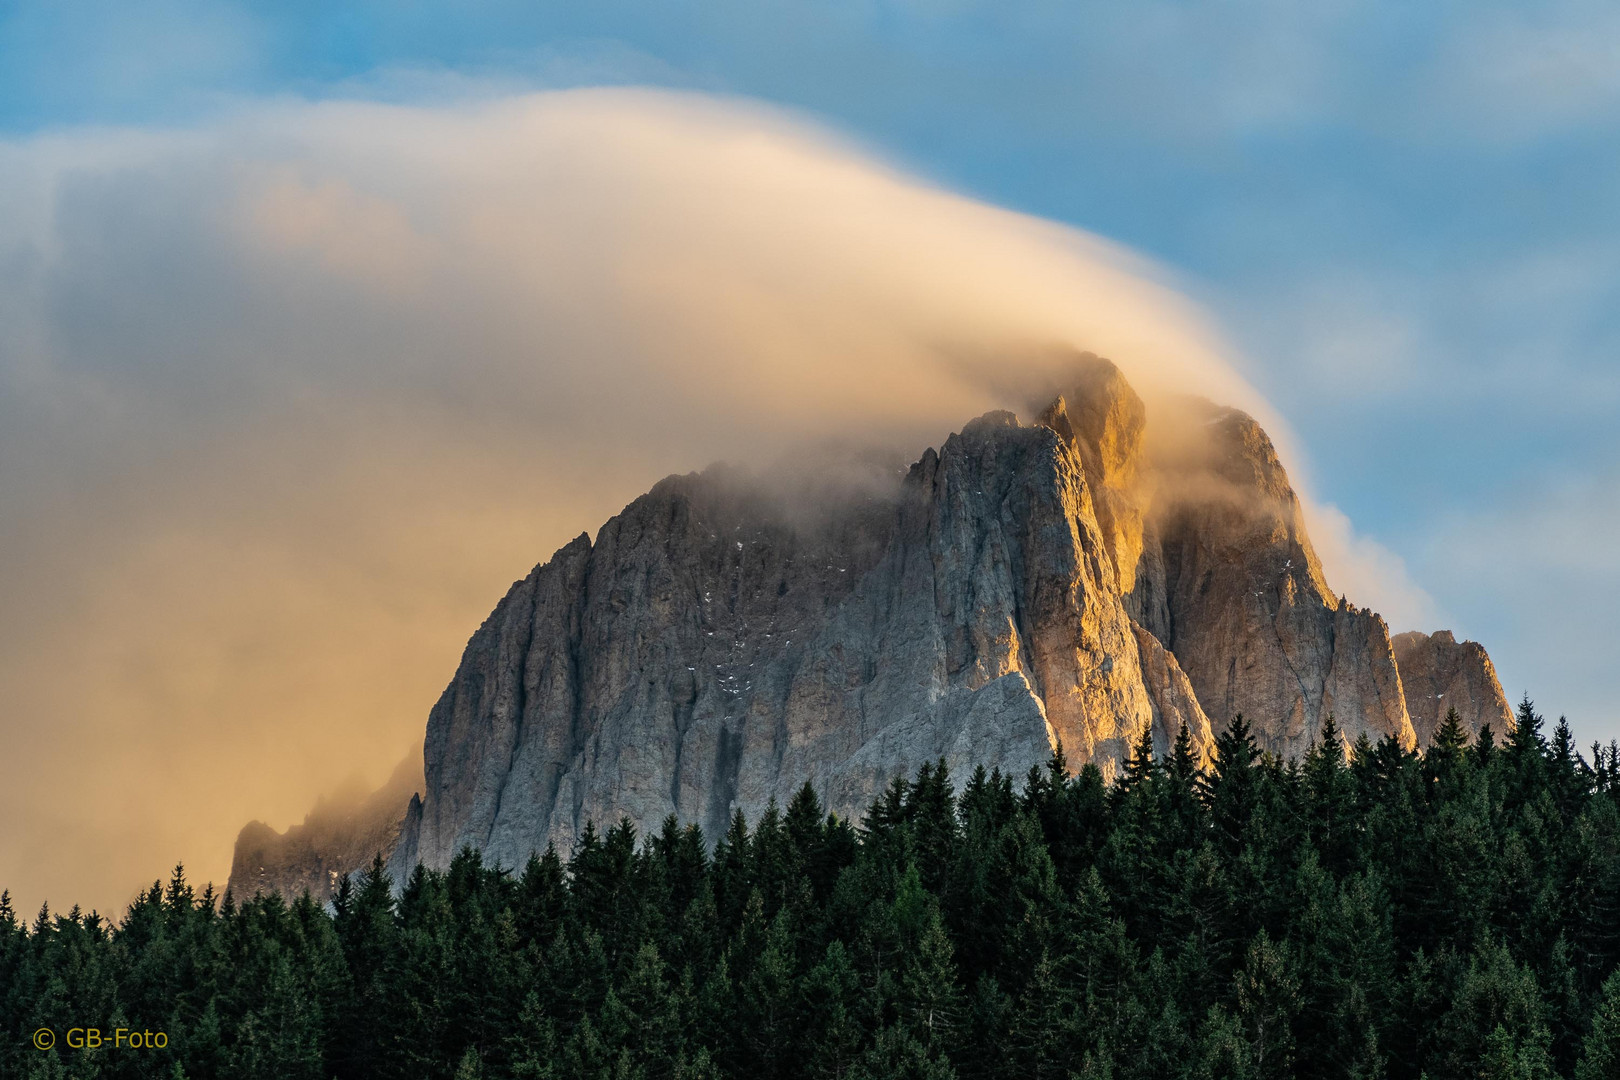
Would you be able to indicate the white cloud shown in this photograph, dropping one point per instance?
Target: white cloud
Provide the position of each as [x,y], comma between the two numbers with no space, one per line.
[1369,573]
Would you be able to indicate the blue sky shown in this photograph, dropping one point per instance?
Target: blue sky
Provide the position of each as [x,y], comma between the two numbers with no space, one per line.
[1406,217]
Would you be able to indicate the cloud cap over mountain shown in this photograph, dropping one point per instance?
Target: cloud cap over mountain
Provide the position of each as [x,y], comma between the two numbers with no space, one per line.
[287,398]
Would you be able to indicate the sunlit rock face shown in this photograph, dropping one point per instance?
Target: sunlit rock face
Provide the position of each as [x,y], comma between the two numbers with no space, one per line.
[717,647]
[1440,673]
[1085,579]
[1230,583]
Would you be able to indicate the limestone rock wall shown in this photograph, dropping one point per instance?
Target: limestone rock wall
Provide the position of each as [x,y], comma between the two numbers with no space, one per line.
[1091,577]
[1230,584]
[709,653]
[1175,704]
[1439,673]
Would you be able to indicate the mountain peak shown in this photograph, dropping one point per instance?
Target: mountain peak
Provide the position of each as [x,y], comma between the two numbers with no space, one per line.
[1095,577]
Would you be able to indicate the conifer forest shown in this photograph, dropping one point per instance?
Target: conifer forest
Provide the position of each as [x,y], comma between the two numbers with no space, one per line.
[1449,914]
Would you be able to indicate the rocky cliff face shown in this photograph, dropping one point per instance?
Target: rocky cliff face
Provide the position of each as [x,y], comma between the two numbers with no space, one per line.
[342,834]
[1088,578]
[1230,584]
[711,652]
[1439,673]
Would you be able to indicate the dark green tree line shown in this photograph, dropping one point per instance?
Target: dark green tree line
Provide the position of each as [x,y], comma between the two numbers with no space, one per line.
[1363,912]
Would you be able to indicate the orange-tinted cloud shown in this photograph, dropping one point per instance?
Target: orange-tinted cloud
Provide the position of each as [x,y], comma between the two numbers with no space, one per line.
[286,403]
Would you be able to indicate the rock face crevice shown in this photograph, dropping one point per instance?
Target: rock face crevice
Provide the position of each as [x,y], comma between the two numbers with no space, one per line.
[1089,578]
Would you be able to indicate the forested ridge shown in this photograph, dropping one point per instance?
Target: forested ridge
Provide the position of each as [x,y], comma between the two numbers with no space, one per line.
[1454,914]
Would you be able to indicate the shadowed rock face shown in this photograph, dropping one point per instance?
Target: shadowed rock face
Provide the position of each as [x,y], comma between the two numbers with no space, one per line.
[1438,673]
[338,837]
[1086,579]
[1231,585]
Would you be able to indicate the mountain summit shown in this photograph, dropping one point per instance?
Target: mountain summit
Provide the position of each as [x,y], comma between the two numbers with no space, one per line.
[1083,580]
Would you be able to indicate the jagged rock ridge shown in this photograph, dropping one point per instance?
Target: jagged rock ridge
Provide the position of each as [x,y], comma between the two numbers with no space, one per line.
[708,654]
[337,837]
[1086,578]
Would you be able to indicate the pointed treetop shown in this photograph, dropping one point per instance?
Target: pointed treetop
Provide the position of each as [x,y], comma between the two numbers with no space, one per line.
[1451,737]
[1183,764]
[1563,742]
[1057,766]
[1139,767]
[1235,748]
[1328,748]
[1527,722]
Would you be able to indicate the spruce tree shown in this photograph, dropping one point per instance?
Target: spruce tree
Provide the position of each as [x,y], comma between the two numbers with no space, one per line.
[1265,1007]
[1330,799]
[1454,914]
[1233,787]
[1600,1052]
